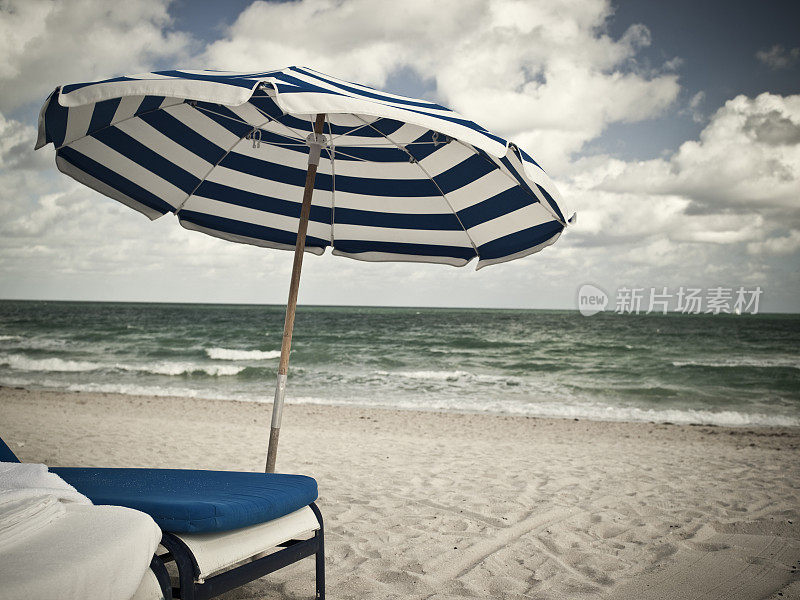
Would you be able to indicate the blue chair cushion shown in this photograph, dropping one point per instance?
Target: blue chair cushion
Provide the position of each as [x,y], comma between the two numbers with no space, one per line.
[187,501]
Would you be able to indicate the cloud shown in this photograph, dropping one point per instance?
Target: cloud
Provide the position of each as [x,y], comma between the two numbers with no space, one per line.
[779,57]
[722,208]
[777,246]
[545,74]
[45,43]
[747,158]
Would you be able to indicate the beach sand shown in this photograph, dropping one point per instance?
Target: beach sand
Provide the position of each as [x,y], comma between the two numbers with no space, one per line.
[446,506]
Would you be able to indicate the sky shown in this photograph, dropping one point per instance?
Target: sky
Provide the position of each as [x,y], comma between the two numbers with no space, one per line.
[673,129]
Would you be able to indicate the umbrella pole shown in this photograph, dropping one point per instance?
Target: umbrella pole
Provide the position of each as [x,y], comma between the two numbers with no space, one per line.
[288,327]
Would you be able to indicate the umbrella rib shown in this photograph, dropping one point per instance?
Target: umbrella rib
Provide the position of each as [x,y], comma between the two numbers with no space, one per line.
[428,175]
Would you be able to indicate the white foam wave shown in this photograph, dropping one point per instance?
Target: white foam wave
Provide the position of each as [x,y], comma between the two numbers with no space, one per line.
[9,338]
[180,368]
[23,363]
[576,410]
[592,412]
[788,361]
[228,354]
[20,362]
[451,376]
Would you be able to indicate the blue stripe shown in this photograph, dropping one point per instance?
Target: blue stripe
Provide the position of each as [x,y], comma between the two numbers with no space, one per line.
[469,170]
[184,135]
[379,155]
[344,183]
[149,103]
[259,232]
[358,246]
[55,120]
[120,141]
[113,179]
[270,171]
[501,204]
[550,201]
[229,195]
[519,241]
[528,157]
[76,86]
[369,218]
[102,113]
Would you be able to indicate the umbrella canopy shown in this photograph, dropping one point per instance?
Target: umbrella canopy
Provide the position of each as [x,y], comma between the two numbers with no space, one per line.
[238,155]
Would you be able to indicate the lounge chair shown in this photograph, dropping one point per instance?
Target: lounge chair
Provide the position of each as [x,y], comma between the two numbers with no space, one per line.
[221,528]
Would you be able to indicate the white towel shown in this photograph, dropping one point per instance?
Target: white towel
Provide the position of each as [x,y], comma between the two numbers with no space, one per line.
[19,481]
[31,498]
[20,519]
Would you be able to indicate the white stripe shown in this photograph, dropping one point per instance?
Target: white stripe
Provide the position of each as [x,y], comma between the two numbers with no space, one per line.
[445,158]
[243,239]
[390,257]
[258,185]
[368,170]
[523,218]
[479,190]
[208,128]
[255,217]
[128,106]
[249,114]
[432,237]
[268,153]
[392,204]
[129,169]
[88,180]
[78,120]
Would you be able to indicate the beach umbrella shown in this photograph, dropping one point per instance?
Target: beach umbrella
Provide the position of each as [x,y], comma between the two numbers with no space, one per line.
[299,160]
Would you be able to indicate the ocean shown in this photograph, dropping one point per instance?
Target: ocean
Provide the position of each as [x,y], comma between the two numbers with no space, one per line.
[714,369]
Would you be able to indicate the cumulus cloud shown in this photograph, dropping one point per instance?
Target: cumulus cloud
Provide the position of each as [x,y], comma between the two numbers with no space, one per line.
[747,158]
[721,208]
[779,57]
[48,42]
[545,74]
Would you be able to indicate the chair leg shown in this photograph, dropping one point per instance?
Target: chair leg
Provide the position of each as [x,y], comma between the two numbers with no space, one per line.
[160,571]
[319,557]
[184,560]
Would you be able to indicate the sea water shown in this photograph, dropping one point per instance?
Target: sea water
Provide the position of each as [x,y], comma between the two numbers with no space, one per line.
[717,369]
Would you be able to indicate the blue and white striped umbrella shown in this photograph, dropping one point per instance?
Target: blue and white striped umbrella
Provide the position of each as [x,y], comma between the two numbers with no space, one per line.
[400,179]
[295,159]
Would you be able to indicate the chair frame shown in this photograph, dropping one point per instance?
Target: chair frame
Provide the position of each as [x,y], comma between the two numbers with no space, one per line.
[162,576]
[191,587]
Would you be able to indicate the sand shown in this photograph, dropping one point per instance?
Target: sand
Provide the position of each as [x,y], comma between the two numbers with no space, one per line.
[447,506]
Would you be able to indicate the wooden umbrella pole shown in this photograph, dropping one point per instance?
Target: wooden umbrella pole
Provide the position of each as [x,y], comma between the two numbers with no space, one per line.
[315,144]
